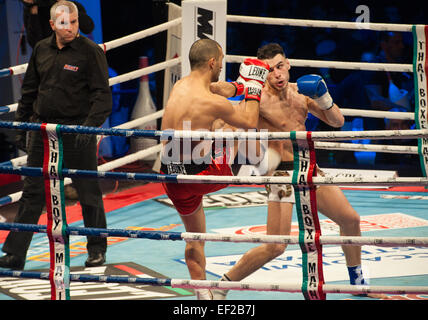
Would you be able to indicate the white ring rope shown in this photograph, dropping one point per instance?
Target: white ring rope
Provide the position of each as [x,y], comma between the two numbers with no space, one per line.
[372,66]
[326,180]
[226,285]
[9,108]
[324,240]
[141,34]
[320,23]
[302,135]
[378,114]
[140,121]
[345,111]
[19,69]
[239,134]
[365,147]
[141,72]
[294,287]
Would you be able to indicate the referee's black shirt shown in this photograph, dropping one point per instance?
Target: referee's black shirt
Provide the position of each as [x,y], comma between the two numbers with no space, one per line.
[66,86]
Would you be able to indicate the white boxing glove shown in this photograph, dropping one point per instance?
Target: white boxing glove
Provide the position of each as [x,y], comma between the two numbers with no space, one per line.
[252,77]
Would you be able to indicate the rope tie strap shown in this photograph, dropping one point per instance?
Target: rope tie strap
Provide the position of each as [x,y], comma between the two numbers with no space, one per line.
[55,205]
[307,214]
[420,68]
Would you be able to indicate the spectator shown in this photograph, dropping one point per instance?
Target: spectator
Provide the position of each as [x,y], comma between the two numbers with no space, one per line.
[405,164]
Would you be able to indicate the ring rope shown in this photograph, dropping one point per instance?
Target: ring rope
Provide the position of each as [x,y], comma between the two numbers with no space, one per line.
[217,237]
[365,147]
[372,66]
[141,34]
[345,111]
[11,198]
[16,162]
[236,180]
[320,23]
[144,71]
[226,135]
[378,114]
[226,285]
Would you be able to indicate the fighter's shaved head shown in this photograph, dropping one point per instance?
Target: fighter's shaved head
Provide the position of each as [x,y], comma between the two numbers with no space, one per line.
[201,51]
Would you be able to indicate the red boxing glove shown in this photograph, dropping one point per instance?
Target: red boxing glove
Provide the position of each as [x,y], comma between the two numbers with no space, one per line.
[253,69]
[239,88]
[252,76]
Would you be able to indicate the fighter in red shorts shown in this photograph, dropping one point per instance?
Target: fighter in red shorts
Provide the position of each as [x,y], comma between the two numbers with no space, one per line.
[193,106]
[187,198]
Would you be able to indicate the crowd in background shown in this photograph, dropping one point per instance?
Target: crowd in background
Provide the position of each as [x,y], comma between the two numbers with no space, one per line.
[365,90]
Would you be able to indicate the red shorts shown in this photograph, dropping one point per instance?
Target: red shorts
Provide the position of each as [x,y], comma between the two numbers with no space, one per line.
[187,197]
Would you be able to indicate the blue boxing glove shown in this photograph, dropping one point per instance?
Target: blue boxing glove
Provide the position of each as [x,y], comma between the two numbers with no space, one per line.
[313,86]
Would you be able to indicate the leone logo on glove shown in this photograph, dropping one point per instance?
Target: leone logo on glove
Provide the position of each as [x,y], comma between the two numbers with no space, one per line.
[256,92]
[258,72]
[253,73]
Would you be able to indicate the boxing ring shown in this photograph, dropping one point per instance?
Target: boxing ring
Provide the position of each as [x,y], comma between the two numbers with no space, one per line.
[304,143]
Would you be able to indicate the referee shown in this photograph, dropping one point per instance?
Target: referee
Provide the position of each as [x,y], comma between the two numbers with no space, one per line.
[67,83]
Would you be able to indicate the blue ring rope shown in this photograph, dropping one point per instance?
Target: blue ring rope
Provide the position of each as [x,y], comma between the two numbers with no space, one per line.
[5,72]
[88,278]
[97,232]
[89,130]
[74,173]
[163,135]
[4,109]
[5,200]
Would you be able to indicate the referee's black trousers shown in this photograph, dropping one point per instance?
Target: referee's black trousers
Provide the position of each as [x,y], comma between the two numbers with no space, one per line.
[33,199]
